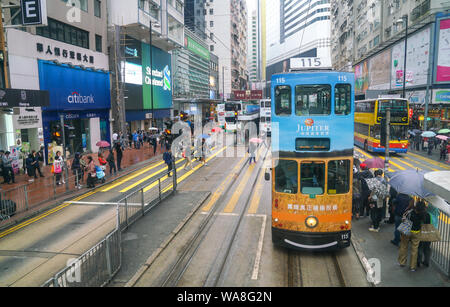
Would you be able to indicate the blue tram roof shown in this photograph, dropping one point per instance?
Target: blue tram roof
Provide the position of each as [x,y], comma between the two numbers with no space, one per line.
[294,129]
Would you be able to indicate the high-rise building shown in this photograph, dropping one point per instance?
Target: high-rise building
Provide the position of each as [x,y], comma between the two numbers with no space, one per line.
[194,16]
[253,56]
[67,58]
[297,28]
[226,26]
[142,34]
[256,46]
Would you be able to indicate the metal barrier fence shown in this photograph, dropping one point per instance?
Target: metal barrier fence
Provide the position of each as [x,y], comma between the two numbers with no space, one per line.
[441,250]
[23,198]
[95,268]
[98,266]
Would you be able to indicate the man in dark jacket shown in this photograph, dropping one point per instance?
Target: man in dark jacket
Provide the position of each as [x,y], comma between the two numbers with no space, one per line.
[168,159]
[401,204]
[365,191]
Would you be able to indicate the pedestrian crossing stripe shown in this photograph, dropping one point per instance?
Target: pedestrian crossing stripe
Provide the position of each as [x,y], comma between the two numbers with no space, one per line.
[147,177]
[189,173]
[430,161]
[427,167]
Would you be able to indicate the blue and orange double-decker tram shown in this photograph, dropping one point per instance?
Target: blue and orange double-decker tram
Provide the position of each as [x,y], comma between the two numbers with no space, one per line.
[312,157]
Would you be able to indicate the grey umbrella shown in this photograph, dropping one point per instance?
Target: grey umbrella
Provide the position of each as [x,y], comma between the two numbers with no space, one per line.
[409,182]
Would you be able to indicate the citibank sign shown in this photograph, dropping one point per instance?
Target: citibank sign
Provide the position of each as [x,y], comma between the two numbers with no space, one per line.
[76,98]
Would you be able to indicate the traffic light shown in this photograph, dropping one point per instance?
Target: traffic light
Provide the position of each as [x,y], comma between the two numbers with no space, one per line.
[183,116]
[57,134]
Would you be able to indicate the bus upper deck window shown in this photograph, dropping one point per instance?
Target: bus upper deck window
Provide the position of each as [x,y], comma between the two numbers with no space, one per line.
[283,100]
[312,100]
[343,99]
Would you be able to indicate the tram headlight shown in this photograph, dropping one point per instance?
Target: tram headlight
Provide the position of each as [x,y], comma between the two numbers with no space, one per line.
[311,222]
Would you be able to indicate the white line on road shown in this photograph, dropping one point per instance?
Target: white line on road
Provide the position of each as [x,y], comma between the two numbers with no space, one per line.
[260,246]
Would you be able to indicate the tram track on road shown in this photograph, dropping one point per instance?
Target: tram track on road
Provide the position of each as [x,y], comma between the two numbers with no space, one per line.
[177,270]
[314,269]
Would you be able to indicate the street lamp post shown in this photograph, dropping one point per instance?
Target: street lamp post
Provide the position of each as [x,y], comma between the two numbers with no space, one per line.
[404,19]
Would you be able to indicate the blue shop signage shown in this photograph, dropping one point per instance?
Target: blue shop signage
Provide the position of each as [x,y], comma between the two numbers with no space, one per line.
[74,88]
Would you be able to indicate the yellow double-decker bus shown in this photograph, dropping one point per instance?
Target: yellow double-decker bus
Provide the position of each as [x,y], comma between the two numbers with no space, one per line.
[368,116]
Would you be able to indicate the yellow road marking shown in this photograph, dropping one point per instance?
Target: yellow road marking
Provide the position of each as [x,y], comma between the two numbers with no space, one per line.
[429,160]
[256,199]
[395,164]
[406,163]
[237,194]
[147,178]
[127,178]
[436,170]
[216,195]
[187,174]
[37,218]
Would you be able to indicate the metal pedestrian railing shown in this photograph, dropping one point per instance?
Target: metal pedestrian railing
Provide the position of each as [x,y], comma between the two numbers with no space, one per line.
[98,266]
[441,250]
[23,198]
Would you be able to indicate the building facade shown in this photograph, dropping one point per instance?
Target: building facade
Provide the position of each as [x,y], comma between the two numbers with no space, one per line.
[141,62]
[299,28]
[226,27]
[377,56]
[68,59]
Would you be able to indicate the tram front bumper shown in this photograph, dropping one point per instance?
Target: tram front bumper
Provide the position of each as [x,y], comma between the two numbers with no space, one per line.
[311,241]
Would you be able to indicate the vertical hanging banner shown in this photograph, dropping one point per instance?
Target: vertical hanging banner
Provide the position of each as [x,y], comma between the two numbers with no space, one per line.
[34,12]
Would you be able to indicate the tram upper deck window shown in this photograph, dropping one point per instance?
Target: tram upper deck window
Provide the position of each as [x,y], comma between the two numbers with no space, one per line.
[283,100]
[343,99]
[312,100]
[286,177]
[312,178]
[338,177]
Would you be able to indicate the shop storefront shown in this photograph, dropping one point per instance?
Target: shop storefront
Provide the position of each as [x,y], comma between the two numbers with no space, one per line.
[79,97]
[145,109]
[21,122]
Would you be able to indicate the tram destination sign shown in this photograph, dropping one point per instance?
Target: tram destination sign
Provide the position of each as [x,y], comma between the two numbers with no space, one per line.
[22,98]
[309,63]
